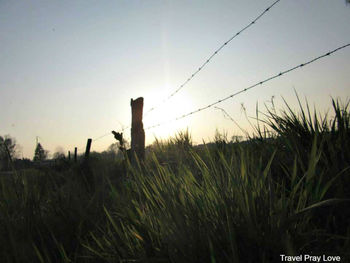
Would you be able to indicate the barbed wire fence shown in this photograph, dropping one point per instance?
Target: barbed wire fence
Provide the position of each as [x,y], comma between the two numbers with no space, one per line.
[248,88]
[280,74]
[207,61]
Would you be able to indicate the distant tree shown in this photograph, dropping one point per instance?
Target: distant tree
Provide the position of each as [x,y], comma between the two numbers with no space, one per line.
[111,152]
[40,154]
[8,151]
[58,154]
[113,148]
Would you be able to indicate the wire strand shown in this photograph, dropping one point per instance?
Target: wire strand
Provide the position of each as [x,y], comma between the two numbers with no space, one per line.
[109,133]
[211,57]
[250,87]
[102,136]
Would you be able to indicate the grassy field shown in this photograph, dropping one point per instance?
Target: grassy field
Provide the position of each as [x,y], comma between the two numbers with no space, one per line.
[285,190]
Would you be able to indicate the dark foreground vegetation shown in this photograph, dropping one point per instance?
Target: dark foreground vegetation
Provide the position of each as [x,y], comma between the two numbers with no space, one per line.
[285,191]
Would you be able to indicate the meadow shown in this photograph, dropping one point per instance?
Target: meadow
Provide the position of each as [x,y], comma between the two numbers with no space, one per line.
[283,190]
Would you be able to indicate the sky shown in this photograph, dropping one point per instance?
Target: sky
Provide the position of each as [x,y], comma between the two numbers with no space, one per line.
[68,69]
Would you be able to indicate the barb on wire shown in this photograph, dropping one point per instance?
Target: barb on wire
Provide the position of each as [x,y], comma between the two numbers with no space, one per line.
[250,87]
[212,56]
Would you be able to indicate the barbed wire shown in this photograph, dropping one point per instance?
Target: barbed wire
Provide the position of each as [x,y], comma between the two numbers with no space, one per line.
[110,133]
[102,136]
[250,87]
[211,57]
[81,149]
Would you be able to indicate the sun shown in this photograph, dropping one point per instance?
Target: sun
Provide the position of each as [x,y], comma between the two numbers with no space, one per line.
[159,109]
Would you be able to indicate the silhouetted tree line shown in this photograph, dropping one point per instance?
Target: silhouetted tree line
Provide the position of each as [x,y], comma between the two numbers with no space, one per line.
[9,155]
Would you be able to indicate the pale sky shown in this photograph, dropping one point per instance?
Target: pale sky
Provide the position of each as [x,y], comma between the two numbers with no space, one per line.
[68,69]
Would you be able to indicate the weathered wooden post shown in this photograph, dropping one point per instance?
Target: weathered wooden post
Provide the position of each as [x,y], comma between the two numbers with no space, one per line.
[137,131]
[87,151]
[75,154]
[87,174]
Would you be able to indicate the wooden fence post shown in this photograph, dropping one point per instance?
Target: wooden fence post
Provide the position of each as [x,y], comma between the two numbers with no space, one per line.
[75,154]
[68,155]
[88,146]
[137,131]
[86,171]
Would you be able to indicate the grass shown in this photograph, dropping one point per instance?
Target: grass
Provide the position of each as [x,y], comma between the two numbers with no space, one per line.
[228,201]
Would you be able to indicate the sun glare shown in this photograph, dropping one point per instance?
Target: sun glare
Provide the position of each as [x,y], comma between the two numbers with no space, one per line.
[165,111]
